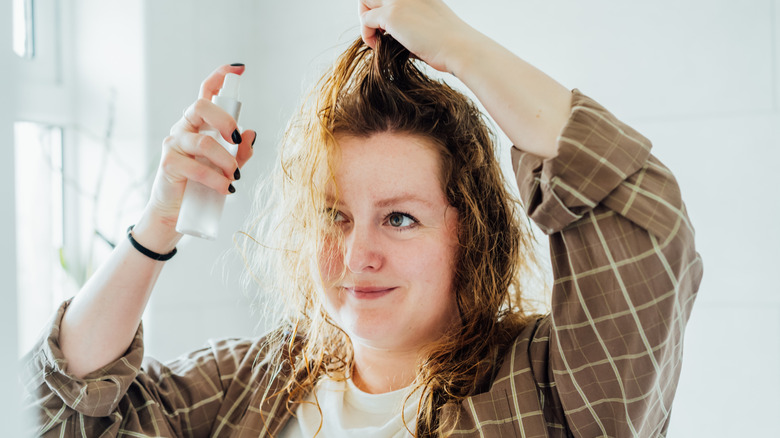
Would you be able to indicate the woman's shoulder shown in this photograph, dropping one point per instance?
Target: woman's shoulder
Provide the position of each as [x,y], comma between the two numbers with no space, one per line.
[228,357]
[527,352]
[255,350]
[522,388]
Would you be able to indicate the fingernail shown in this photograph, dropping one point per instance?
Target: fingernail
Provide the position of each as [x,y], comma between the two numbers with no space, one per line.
[237,64]
[231,189]
[236,175]
[253,141]
[236,137]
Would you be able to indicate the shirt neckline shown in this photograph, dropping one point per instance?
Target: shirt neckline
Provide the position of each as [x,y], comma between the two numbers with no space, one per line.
[374,403]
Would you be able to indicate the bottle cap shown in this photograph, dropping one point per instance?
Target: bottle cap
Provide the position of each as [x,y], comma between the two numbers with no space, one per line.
[227,99]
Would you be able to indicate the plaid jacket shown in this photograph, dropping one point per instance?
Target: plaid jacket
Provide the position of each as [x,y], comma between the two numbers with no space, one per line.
[604,362]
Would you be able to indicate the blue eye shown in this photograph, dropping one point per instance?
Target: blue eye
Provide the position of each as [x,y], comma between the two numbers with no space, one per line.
[401,220]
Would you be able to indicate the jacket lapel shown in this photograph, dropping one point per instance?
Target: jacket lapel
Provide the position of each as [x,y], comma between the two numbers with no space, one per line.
[511,407]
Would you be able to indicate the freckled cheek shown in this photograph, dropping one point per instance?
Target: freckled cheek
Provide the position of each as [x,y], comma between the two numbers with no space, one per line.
[434,268]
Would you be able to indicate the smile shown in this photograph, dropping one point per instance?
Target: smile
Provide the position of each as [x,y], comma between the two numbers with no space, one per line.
[368,292]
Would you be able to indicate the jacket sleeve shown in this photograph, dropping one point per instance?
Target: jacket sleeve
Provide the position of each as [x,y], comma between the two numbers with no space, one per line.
[128,397]
[625,273]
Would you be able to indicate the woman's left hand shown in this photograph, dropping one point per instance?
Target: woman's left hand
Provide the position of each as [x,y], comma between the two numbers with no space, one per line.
[529,106]
[427,28]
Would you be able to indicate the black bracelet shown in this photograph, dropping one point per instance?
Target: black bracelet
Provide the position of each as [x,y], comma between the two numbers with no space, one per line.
[147,252]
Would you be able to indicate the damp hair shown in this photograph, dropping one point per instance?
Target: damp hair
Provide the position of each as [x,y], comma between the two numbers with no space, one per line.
[366,92]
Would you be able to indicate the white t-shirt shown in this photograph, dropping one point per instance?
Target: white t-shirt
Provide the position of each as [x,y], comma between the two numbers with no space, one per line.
[349,412]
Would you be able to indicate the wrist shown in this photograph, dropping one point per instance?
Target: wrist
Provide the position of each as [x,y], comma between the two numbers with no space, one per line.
[156,233]
[467,49]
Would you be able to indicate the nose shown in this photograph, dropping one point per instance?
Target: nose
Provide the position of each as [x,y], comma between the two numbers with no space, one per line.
[363,252]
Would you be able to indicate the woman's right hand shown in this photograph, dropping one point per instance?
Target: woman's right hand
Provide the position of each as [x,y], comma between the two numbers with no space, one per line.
[184,153]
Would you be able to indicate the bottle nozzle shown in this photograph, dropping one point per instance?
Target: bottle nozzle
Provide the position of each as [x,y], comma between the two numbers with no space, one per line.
[230,86]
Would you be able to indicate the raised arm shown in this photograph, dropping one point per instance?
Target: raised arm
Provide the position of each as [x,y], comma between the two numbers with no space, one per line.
[626,275]
[85,378]
[100,322]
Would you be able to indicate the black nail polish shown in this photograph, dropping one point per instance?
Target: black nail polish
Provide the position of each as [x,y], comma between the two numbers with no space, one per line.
[237,175]
[236,137]
[253,141]
[237,64]
[231,189]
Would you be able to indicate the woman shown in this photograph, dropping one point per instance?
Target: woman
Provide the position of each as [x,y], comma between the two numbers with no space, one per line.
[403,260]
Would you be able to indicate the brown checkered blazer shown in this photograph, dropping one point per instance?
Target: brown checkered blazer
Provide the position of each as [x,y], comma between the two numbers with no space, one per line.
[604,363]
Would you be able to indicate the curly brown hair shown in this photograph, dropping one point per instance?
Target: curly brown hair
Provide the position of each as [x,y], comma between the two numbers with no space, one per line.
[385,90]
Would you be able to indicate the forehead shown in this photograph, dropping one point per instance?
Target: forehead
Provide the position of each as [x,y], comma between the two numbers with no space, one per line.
[390,165]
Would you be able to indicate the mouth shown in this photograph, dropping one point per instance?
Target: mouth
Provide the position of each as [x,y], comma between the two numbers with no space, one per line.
[368,292]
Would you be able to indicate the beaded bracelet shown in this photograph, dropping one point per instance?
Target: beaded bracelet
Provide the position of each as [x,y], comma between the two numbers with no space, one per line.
[147,252]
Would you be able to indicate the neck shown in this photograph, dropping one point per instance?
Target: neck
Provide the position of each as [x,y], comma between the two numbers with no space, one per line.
[379,371]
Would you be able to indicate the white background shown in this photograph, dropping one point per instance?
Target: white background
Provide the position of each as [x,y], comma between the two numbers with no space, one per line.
[699,78]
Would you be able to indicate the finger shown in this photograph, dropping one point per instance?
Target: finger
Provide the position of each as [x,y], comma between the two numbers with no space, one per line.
[205,147]
[372,21]
[204,114]
[213,83]
[370,4]
[178,168]
[246,148]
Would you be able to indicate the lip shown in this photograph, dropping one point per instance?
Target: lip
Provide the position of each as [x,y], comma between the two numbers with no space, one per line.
[368,292]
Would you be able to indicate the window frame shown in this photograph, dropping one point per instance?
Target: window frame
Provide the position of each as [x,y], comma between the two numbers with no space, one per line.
[45,95]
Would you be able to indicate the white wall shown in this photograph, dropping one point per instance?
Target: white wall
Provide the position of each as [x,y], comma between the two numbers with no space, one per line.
[112,167]
[700,78]
[9,406]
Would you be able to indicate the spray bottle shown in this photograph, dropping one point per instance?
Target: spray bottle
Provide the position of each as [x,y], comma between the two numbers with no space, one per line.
[201,207]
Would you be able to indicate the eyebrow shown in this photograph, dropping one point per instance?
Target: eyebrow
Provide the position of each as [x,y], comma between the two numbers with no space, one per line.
[382,203]
[404,197]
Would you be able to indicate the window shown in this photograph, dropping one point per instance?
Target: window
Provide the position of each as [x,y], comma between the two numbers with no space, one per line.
[42,279]
[40,137]
[23,25]
[80,177]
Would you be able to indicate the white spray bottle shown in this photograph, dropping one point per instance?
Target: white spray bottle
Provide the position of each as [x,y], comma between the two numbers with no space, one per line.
[201,207]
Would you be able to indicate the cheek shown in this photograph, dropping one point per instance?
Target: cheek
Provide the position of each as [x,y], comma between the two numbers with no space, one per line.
[330,261]
[432,266]
[435,275]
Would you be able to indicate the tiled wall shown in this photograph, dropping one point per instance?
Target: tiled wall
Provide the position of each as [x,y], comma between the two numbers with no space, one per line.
[699,78]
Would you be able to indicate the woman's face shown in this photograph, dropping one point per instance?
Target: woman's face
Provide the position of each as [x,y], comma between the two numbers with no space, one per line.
[400,238]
